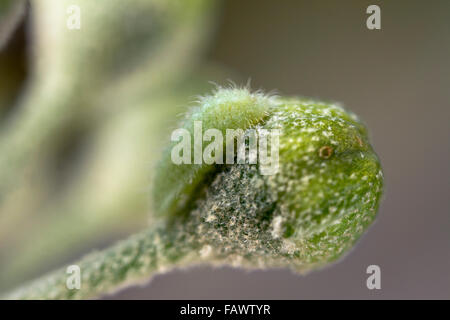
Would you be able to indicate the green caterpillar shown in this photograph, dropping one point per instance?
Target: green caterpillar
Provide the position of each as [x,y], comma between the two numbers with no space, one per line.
[322,198]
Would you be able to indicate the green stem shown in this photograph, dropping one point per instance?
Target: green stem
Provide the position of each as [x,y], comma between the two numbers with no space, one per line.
[128,262]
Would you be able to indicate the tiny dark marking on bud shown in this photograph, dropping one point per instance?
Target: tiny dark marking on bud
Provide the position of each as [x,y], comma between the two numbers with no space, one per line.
[325,152]
[359,141]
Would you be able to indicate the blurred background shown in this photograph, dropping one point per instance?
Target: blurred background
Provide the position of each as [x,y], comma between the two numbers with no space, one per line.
[84,114]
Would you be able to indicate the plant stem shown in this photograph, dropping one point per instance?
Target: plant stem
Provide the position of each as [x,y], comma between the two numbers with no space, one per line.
[133,260]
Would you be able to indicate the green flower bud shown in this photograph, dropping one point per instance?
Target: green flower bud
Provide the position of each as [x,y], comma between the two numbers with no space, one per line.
[323,196]
[312,210]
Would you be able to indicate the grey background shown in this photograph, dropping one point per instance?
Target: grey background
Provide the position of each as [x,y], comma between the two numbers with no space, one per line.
[397,80]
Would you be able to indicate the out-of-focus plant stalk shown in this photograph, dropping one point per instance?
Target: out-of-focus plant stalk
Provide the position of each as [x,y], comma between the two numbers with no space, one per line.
[118,77]
[71,68]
